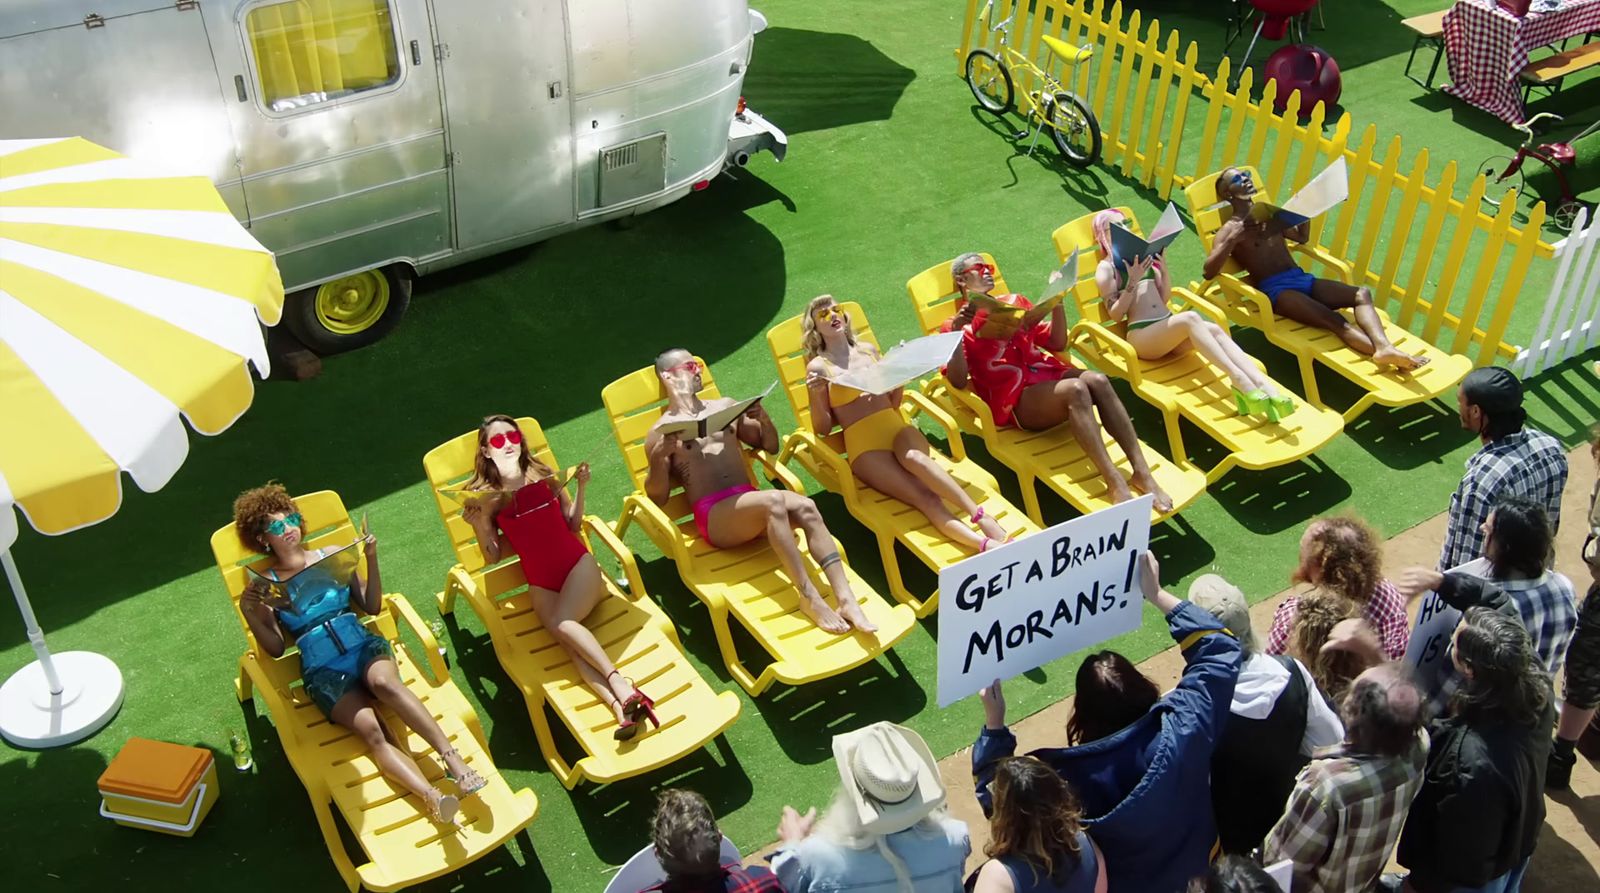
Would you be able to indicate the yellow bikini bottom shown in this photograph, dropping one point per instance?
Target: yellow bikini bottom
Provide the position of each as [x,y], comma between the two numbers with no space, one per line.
[875,432]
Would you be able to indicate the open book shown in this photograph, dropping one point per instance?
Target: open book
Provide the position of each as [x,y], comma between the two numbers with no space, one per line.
[1127,247]
[710,421]
[334,569]
[1316,198]
[1062,280]
[905,363]
[1003,318]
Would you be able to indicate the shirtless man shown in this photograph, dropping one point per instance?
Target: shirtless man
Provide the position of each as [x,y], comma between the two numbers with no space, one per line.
[730,512]
[1294,293]
[1018,375]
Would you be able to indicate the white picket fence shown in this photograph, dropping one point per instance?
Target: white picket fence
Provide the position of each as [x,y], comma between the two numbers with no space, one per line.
[1571,318]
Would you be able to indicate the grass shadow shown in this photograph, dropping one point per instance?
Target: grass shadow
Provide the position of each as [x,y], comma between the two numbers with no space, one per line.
[1276,499]
[804,719]
[1566,394]
[1407,437]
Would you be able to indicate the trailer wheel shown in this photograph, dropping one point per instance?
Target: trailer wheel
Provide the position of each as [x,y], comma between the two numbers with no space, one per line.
[349,312]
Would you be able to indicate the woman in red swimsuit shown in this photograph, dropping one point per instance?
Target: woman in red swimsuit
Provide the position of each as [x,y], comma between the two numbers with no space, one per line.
[532,516]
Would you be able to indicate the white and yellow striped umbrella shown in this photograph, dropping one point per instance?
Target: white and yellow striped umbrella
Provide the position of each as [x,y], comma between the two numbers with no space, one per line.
[129,297]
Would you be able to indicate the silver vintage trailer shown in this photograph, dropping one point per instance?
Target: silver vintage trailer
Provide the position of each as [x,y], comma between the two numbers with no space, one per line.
[370,141]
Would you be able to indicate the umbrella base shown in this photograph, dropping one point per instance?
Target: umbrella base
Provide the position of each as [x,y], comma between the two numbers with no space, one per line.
[30,716]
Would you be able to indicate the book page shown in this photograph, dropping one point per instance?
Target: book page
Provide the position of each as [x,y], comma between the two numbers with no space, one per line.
[902,365]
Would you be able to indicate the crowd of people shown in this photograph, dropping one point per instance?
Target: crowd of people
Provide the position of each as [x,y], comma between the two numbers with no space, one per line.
[1319,746]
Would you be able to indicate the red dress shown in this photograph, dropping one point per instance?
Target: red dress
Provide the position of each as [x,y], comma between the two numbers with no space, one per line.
[540,536]
[1000,368]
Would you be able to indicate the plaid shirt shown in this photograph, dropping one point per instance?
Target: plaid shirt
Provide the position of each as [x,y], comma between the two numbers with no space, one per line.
[1528,463]
[734,880]
[1548,608]
[1344,817]
[1385,610]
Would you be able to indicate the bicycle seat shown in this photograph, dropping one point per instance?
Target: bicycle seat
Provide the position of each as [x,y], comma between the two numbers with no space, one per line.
[1065,51]
[1563,153]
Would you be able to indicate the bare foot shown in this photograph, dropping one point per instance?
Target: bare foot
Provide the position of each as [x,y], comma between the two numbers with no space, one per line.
[1147,484]
[992,529]
[812,605]
[850,610]
[1397,359]
[1118,490]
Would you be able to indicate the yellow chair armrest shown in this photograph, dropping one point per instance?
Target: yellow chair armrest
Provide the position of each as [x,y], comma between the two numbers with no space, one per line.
[825,455]
[917,403]
[1340,268]
[677,544]
[1245,293]
[780,472]
[1109,342]
[1188,300]
[596,530]
[401,610]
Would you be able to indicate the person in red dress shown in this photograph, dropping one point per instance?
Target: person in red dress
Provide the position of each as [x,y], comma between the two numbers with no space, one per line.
[526,511]
[1024,381]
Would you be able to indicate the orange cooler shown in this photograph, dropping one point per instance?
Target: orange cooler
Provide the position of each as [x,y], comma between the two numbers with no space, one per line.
[159,786]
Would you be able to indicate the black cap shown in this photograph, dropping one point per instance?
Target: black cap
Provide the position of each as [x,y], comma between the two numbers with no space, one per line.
[1494,390]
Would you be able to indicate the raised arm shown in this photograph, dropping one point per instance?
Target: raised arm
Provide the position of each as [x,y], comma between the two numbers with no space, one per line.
[995,743]
[1222,247]
[480,514]
[262,621]
[822,420]
[1118,299]
[955,371]
[1057,341]
[1300,232]
[1211,657]
[368,593]
[755,428]
[658,453]
[572,509]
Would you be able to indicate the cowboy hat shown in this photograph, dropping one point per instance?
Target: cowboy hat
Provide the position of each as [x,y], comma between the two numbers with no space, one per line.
[889,776]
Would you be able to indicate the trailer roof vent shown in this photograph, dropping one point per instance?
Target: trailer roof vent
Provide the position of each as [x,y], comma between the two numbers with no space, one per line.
[633,170]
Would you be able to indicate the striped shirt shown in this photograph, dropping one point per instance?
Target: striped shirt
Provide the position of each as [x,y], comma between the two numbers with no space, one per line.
[1385,610]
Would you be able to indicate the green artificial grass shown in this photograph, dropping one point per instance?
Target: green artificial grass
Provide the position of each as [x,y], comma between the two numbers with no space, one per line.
[891,169]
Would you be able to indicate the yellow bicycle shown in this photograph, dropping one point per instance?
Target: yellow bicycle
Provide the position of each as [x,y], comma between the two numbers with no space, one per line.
[1054,108]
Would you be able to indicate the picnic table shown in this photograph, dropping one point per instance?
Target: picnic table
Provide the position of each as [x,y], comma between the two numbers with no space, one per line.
[1486,48]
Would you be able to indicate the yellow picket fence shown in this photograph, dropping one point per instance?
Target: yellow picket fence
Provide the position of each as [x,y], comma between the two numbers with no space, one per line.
[1442,266]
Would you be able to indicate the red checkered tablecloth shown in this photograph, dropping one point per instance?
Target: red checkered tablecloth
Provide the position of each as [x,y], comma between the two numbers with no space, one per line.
[1487,47]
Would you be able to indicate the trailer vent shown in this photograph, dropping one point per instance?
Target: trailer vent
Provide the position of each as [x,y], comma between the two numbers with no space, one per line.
[633,170]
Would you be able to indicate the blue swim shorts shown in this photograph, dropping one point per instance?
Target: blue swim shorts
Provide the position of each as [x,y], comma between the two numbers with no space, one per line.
[1292,279]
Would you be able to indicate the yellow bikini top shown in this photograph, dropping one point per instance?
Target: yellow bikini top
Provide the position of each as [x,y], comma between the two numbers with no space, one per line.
[837,392]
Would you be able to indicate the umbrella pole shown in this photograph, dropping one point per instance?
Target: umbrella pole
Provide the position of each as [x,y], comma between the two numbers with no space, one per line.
[35,634]
[59,698]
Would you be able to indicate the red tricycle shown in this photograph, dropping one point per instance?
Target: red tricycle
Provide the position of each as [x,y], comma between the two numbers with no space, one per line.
[1506,170]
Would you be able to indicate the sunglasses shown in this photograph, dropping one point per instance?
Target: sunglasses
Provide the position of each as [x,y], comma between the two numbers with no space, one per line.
[690,367]
[981,269]
[499,440]
[1239,179]
[827,314]
[282,525]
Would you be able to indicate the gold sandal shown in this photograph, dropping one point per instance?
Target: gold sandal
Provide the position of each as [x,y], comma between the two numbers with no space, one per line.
[443,810]
[470,782]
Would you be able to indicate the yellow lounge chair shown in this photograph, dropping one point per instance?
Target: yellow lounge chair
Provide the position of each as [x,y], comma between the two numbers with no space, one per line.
[1246,305]
[636,634]
[889,519]
[1052,457]
[1186,386]
[745,583]
[403,847]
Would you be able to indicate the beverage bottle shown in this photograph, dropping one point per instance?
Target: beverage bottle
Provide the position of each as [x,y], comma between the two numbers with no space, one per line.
[242,760]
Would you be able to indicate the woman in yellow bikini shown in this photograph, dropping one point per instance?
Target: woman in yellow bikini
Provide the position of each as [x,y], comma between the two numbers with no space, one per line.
[1139,292]
[886,451]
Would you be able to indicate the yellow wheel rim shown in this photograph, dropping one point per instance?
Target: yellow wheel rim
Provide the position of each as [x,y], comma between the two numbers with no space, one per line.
[353,304]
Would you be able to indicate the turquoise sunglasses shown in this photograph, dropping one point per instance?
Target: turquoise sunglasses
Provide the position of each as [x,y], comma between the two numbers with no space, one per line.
[280,526]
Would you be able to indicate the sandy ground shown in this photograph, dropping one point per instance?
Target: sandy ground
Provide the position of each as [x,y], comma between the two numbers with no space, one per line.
[1568,857]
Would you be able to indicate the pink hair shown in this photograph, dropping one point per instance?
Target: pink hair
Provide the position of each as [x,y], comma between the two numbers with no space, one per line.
[1101,224]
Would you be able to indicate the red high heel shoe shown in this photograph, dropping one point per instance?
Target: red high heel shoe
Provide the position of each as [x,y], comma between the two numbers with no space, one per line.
[638,707]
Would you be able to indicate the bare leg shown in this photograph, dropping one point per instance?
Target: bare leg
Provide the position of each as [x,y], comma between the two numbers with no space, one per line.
[1337,295]
[1160,339]
[740,519]
[357,712]
[912,451]
[1302,308]
[1048,404]
[803,514]
[383,680]
[1115,417]
[1573,721]
[562,613]
[880,471]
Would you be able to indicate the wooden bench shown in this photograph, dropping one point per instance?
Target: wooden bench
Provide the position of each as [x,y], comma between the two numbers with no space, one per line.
[1429,28]
[1551,70]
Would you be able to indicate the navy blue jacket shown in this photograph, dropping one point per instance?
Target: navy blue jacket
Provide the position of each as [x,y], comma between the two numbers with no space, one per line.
[1146,791]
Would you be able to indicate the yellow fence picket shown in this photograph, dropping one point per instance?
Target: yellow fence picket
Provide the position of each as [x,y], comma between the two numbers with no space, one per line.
[1438,207]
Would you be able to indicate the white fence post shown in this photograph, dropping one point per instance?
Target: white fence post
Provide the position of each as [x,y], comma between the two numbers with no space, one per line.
[1564,328]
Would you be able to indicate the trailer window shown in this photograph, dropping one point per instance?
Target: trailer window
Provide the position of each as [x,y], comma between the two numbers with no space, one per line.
[313,51]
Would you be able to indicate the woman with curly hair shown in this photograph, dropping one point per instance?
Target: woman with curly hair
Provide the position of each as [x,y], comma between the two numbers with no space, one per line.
[1333,669]
[1341,555]
[348,671]
[886,451]
[525,511]
[1037,842]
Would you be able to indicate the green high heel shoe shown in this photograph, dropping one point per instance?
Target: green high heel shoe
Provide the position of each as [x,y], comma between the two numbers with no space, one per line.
[1258,403]
[1240,403]
[1282,407]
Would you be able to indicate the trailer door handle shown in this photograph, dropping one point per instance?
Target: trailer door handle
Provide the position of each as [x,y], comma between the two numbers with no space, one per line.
[416,53]
[238,87]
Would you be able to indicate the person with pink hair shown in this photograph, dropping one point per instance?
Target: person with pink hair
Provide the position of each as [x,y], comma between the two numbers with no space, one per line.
[1139,290]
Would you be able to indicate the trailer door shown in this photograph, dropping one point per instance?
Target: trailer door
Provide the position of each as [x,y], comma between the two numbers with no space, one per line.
[507,116]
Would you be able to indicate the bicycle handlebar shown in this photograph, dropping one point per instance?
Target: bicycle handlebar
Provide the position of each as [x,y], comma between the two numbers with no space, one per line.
[1526,127]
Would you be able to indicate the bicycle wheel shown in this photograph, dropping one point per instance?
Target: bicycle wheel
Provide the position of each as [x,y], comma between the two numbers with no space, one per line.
[989,81]
[1495,171]
[1074,129]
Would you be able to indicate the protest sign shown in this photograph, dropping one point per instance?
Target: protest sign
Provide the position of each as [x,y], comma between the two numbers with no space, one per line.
[1024,604]
[1428,652]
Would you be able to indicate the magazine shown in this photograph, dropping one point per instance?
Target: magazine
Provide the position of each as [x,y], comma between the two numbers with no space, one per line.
[710,421]
[903,364]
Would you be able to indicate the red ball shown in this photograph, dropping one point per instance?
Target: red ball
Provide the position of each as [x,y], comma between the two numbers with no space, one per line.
[1309,69]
